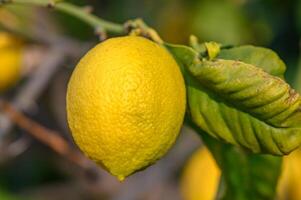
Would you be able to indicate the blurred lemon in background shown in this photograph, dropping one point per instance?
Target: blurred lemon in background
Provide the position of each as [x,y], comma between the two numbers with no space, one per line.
[201,176]
[126,103]
[289,185]
[10,60]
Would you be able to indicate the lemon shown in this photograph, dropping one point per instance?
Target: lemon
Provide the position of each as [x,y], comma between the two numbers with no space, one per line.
[125,104]
[200,178]
[10,60]
[289,183]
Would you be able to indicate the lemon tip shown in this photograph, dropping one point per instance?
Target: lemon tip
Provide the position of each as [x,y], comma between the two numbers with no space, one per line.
[121,178]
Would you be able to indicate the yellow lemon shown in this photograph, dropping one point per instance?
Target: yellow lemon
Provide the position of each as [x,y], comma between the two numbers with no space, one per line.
[125,104]
[289,185]
[201,177]
[10,60]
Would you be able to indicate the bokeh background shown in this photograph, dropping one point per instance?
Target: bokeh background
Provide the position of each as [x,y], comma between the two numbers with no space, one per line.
[29,170]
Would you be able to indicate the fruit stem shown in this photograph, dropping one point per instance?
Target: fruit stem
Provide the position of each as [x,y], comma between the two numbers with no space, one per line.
[94,21]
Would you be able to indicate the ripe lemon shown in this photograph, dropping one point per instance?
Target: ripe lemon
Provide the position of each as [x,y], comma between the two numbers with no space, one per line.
[10,60]
[201,177]
[125,104]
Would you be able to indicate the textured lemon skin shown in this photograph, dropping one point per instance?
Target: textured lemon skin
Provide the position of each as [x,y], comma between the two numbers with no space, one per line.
[201,176]
[10,60]
[125,104]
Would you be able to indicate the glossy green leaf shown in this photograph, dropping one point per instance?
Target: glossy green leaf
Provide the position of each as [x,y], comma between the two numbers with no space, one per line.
[240,103]
[250,89]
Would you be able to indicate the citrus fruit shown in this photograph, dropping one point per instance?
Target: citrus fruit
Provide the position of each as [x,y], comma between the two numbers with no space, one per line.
[200,178]
[289,183]
[125,104]
[10,60]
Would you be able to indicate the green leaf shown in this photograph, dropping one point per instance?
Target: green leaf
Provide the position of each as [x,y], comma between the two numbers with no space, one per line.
[249,176]
[250,89]
[240,103]
[244,175]
[261,57]
[213,49]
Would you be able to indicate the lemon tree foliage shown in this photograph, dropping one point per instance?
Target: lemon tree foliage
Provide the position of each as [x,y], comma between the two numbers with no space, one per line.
[242,103]
[240,97]
[118,97]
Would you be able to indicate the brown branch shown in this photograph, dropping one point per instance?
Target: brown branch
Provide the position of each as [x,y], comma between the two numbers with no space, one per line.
[38,82]
[45,135]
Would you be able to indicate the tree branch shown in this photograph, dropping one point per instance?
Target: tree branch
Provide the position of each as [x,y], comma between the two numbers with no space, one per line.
[44,135]
[76,11]
[29,92]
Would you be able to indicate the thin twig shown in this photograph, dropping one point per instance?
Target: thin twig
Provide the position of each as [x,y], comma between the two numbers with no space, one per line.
[17,147]
[11,149]
[73,10]
[44,135]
